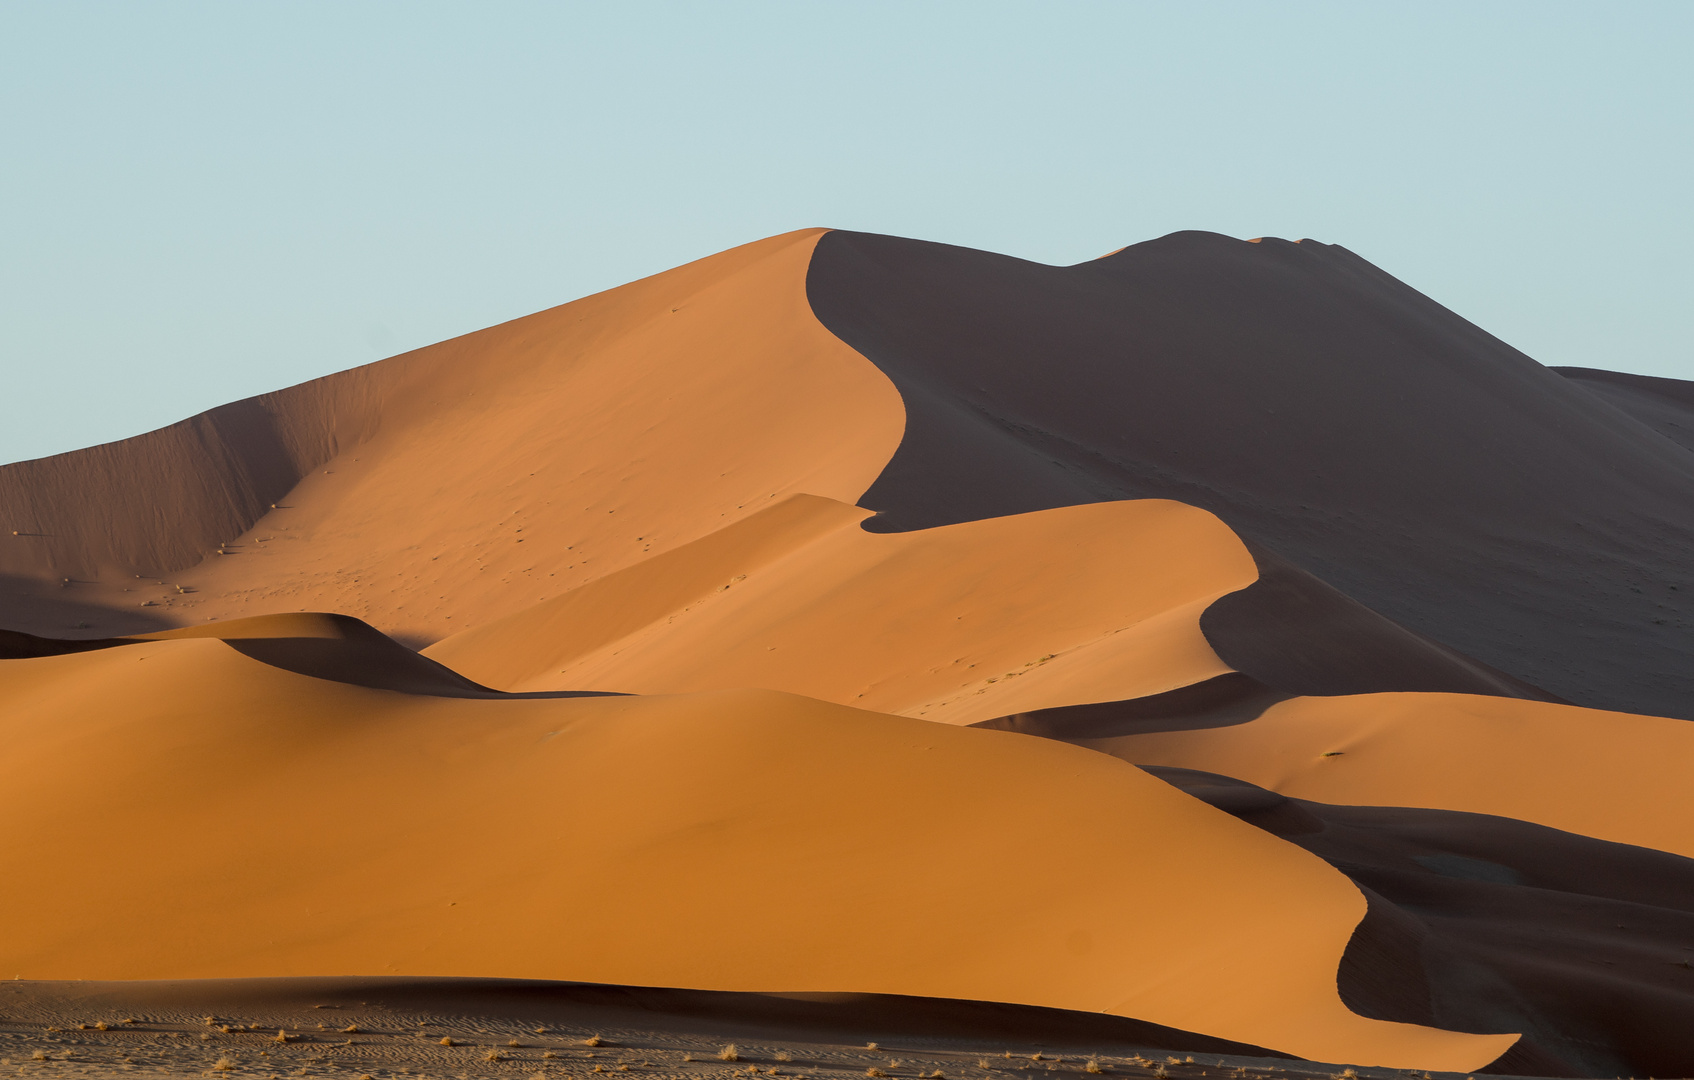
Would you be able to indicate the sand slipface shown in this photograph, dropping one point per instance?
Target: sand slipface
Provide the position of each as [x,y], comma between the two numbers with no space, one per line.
[735,841]
[958,624]
[1320,408]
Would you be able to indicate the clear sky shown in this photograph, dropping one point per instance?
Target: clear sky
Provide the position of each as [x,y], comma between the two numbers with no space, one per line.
[203,201]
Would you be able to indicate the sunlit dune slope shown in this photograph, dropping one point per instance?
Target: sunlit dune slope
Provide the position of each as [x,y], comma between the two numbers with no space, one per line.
[467,480]
[1614,776]
[957,624]
[255,822]
[1319,407]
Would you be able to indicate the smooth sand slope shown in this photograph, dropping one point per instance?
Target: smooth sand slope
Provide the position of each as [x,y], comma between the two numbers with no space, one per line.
[1320,408]
[956,624]
[467,480]
[742,840]
[1614,776]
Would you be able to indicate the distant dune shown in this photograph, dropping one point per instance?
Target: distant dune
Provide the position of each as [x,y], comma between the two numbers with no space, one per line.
[1217,636]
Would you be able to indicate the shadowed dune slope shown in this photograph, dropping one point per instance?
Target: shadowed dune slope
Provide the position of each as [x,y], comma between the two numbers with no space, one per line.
[956,624]
[1480,923]
[1613,776]
[324,646]
[466,480]
[1665,405]
[1319,407]
[738,841]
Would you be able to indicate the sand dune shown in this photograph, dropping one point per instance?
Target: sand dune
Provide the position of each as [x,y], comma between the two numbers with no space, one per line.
[1319,407]
[739,840]
[467,480]
[959,624]
[1613,776]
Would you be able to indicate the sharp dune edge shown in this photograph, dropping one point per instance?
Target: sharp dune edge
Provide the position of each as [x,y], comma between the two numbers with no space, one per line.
[849,615]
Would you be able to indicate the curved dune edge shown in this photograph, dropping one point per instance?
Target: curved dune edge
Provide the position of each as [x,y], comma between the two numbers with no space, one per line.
[1612,776]
[470,479]
[265,824]
[956,624]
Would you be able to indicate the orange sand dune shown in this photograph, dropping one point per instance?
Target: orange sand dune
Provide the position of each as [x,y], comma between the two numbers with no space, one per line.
[467,480]
[175,809]
[956,624]
[1614,776]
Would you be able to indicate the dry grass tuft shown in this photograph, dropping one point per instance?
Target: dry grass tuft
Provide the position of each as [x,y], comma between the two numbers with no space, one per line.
[514,1042]
[281,1036]
[39,1055]
[447,1040]
[1348,1074]
[875,1073]
[223,1064]
[493,1054]
[1037,1056]
[1094,1067]
[101,1025]
[729,1053]
[1159,1071]
[783,1055]
[984,1063]
[870,1046]
[593,1040]
[352,1029]
[548,1054]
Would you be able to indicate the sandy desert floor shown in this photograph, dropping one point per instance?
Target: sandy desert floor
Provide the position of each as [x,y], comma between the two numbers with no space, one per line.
[352,1030]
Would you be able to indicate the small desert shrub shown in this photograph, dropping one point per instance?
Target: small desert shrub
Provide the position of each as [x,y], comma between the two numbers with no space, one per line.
[223,1064]
[1159,1071]
[593,1040]
[688,1057]
[281,1036]
[39,1055]
[783,1055]
[1348,1074]
[514,1042]
[984,1063]
[870,1046]
[729,1053]
[352,1029]
[1094,1066]
[447,1040]
[101,1025]
[875,1073]
[548,1054]
[1036,1056]
[493,1054]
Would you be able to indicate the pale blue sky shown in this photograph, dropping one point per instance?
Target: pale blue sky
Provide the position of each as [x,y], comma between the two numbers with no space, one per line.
[202,201]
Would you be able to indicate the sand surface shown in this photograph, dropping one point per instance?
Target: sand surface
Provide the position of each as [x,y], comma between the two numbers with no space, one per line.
[1613,776]
[694,840]
[956,624]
